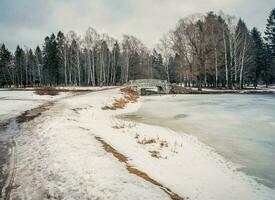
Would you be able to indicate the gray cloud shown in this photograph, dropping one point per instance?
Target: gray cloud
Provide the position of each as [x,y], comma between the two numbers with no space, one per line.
[27,22]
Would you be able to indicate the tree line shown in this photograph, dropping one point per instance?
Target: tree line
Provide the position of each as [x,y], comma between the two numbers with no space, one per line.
[210,50]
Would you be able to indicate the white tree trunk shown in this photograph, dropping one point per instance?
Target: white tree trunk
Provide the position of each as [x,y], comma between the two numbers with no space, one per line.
[216,67]
[242,64]
[65,64]
[78,67]
[225,60]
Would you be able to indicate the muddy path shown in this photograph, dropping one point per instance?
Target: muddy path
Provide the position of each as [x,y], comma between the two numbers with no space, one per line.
[9,129]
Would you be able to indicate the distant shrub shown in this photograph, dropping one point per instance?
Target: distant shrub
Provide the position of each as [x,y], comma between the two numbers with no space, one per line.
[46,91]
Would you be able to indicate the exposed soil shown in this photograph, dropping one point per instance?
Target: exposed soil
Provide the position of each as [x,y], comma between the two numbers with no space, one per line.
[46,91]
[122,158]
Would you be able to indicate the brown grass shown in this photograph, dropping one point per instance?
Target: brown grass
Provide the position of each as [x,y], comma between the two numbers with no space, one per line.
[136,136]
[111,150]
[155,154]
[130,96]
[108,108]
[120,103]
[117,127]
[108,148]
[163,143]
[146,141]
[46,91]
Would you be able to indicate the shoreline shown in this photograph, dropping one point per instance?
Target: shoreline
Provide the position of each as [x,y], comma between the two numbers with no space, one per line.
[191,90]
[174,90]
[228,166]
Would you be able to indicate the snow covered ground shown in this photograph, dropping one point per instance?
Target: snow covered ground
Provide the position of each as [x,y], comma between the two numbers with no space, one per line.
[59,158]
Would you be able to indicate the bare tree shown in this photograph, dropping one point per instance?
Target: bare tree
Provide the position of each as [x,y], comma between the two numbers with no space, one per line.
[166,49]
[91,39]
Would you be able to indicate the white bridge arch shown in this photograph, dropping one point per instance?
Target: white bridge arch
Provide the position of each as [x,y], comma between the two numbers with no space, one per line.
[160,86]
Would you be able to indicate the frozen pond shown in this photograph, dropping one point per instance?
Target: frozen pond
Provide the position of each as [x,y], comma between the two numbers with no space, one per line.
[13,103]
[239,127]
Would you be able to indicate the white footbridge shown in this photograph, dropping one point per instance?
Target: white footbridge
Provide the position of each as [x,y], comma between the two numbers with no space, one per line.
[150,85]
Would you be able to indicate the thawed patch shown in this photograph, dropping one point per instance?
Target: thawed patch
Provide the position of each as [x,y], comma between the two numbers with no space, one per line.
[137,172]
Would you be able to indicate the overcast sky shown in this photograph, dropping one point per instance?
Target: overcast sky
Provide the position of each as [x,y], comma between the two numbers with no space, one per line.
[27,22]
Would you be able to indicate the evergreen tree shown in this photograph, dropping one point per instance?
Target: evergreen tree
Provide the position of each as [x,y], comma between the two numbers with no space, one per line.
[5,58]
[39,64]
[50,57]
[259,55]
[269,73]
[31,65]
[20,62]
[270,32]
[157,64]
[61,48]
[116,64]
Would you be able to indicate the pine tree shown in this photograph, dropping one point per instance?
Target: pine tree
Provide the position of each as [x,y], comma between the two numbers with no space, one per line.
[5,58]
[33,78]
[50,57]
[116,64]
[270,32]
[269,73]
[20,62]
[39,64]
[259,55]
[61,53]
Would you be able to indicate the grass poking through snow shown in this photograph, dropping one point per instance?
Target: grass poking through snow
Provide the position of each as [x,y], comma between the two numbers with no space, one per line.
[108,148]
[130,96]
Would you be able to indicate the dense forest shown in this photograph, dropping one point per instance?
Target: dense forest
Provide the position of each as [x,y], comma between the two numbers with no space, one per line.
[210,50]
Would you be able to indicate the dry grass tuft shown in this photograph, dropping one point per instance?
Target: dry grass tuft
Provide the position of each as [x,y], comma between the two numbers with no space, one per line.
[129,96]
[108,108]
[117,127]
[120,103]
[136,136]
[146,141]
[163,143]
[155,154]
[47,91]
